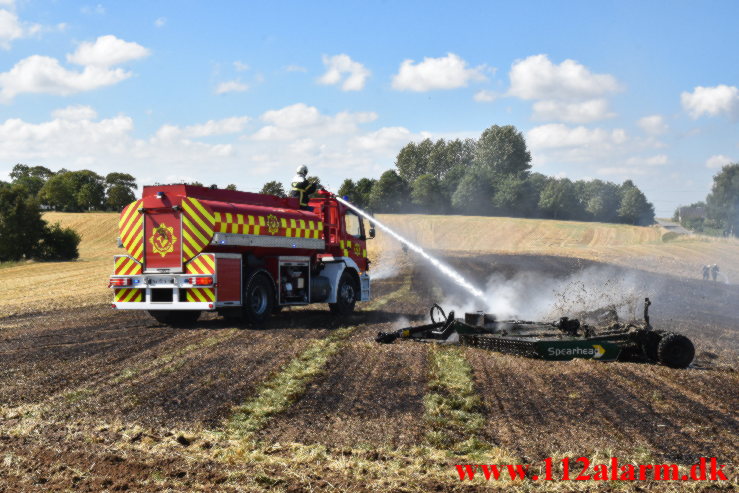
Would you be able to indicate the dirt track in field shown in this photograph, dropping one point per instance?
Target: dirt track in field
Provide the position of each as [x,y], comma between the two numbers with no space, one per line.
[81,370]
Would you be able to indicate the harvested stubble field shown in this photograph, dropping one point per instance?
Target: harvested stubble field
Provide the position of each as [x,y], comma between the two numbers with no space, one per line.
[93,400]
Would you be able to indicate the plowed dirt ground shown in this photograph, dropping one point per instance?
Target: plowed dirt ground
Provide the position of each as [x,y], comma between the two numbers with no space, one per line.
[97,400]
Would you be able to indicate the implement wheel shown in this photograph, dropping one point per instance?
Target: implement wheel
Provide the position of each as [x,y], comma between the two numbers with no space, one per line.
[675,351]
[176,318]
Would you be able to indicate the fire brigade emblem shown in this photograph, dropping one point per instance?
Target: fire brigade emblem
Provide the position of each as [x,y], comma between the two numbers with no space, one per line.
[163,239]
[357,250]
[272,224]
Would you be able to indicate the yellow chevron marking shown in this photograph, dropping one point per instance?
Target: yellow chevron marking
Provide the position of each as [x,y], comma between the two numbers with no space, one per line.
[211,294]
[198,295]
[210,261]
[128,231]
[138,254]
[187,250]
[125,268]
[195,230]
[130,295]
[202,209]
[199,263]
[127,213]
[192,215]
[261,221]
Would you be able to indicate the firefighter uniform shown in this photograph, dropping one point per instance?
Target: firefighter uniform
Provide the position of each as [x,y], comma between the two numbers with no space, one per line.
[302,188]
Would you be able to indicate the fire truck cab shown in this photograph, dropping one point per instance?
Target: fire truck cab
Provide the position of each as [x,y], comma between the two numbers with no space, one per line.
[191,249]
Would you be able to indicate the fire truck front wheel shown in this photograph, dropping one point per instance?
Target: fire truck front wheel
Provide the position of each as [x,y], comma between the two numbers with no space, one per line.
[259,298]
[346,295]
[175,318]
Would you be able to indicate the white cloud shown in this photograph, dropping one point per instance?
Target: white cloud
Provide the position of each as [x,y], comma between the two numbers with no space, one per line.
[386,138]
[557,135]
[485,96]
[449,72]
[711,101]
[299,119]
[210,128]
[107,51]
[339,65]
[658,160]
[572,112]
[160,22]
[536,77]
[653,125]
[718,161]
[231,86]
[240,66]
[41,74]
[75,113]
[295,68]
[11,28]
[63,137]
[333,145]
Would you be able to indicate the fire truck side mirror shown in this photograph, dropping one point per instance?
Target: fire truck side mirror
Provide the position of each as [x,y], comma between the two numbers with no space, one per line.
[371,232]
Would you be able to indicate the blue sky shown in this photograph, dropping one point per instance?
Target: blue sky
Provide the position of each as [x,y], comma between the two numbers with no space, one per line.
[243,92]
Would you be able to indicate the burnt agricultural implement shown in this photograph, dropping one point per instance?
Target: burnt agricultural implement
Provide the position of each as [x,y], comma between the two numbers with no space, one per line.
[606,339]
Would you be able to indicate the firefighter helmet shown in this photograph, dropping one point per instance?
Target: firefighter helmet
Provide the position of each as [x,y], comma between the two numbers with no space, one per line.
[302,170]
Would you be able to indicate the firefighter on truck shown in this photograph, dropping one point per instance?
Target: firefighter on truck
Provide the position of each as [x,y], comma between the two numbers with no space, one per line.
[190,249]
[302,187]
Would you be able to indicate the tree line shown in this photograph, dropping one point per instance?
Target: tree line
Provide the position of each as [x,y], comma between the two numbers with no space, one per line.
[719,213]
[490,176]
[75,191]
[25,235]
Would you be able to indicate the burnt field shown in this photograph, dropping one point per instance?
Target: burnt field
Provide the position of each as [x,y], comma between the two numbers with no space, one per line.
[93,399]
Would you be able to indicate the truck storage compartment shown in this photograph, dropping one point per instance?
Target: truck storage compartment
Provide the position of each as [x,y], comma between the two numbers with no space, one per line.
[294,280]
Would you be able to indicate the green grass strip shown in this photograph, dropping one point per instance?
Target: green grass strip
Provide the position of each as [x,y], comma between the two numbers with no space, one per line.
[279,392]
[453,410]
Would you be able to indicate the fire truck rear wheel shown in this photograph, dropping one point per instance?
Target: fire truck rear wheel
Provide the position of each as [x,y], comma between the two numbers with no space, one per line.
[346,295]
[259,298]
[175,318]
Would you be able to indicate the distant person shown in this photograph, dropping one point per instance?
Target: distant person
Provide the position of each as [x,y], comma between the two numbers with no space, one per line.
[714,272]
[706,270]
[302,187]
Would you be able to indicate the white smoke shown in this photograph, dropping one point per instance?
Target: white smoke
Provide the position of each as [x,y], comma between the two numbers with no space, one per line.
[536,296]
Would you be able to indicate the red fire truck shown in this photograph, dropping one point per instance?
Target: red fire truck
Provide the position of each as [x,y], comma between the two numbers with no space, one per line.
[244,255]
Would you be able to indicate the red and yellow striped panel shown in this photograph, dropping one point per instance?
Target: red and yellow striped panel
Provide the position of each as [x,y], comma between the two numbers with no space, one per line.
[128,295]
[126,266]
[201,295]
[247,224]
[198,226]
[131,230]
[205,263]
